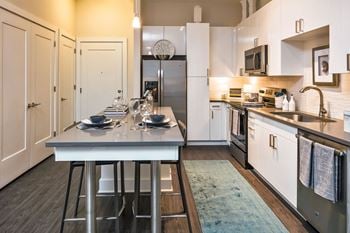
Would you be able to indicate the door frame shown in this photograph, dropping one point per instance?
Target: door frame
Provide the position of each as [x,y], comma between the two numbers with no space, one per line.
[81,40]
[61,33]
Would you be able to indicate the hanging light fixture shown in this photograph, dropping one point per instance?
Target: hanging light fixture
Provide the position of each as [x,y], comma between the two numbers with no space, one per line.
[136,22]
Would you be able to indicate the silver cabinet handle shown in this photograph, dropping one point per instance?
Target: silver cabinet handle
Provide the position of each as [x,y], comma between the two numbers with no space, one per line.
[158,73]
[212,114]
[348,61]
[270,140]
[274,141]
[297,26]
[301,25]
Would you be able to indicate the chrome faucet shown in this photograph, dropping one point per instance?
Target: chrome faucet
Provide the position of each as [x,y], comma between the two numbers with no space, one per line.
[323,111]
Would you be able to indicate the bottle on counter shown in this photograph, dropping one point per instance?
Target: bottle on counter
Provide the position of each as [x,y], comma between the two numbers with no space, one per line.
[285,104]
[291,105]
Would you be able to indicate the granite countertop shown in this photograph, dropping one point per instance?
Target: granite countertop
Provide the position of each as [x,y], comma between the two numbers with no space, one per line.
[331,130]
[121,136]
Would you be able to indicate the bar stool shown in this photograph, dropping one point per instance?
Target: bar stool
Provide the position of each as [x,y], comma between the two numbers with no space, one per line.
[178,163]
[119,211]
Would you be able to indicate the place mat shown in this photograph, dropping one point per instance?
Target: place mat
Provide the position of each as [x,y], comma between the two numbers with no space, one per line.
[112,125]
[226,202]
[169,125]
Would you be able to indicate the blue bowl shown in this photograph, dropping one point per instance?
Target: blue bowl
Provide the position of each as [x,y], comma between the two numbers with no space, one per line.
[97,119]
[157,118]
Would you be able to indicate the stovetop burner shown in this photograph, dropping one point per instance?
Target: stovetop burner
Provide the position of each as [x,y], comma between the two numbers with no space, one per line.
[244,105]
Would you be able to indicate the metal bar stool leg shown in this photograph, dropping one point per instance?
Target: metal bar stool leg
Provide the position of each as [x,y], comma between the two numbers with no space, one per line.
[67,197]
[79,192]
[116,197]
[136,194]
[122,178]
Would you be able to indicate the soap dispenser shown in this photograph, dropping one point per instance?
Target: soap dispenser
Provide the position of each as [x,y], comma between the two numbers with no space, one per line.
[285,104]
[291,106]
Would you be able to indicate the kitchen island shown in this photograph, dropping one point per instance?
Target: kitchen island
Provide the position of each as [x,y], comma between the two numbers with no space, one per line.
[120,144]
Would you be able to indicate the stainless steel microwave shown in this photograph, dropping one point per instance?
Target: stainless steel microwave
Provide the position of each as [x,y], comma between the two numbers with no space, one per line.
[255,60]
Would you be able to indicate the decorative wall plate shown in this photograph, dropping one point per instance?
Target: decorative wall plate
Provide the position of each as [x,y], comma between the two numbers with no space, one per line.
[163,50]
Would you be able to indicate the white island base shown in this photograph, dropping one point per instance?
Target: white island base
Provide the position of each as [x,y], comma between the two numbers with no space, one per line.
[106,182]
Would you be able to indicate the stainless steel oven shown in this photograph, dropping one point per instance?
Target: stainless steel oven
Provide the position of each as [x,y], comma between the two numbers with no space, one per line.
[255,60]
[238,136]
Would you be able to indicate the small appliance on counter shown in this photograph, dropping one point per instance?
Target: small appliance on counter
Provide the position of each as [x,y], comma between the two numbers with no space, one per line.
[239,122]
[268,96]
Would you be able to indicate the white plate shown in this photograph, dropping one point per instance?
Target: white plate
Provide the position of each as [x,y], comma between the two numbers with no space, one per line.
[89,123]
[164,122]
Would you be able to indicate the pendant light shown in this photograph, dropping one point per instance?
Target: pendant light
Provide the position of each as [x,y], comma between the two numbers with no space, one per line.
[136,22]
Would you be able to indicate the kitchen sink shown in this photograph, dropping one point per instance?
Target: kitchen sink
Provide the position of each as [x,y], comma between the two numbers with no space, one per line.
[302,117]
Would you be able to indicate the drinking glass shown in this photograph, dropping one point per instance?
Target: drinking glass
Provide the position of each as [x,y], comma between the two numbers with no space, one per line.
[134,109]
[145,111]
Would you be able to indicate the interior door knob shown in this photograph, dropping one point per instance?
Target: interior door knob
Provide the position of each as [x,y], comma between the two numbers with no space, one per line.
[63,99]
[35,104]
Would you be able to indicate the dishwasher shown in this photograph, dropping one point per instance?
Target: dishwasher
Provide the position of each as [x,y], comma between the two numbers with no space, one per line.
[324,215]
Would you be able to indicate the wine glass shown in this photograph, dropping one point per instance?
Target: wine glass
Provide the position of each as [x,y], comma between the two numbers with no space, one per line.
[134,109]
[145,111]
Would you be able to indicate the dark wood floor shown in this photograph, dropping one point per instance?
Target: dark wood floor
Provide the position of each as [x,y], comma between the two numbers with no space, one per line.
[33,203]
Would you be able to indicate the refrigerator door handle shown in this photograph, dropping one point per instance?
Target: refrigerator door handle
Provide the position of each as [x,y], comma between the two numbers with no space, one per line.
[161,86]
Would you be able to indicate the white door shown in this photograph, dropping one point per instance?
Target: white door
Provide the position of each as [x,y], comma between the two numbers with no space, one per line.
[66,78]
[14,143]
[41,92]
[197,109]
[101,75]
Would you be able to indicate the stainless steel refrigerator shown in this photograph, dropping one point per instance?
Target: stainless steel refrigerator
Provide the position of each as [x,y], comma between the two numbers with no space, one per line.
[167,79]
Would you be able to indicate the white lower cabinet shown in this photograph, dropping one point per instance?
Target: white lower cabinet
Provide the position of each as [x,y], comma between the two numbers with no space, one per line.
[272,151]
[217,122]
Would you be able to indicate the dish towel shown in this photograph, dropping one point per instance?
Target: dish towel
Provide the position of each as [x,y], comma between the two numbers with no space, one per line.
[305,161]
[326,172]
[235,122]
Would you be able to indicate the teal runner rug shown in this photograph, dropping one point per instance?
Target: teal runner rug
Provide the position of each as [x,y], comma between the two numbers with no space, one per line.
[225,201]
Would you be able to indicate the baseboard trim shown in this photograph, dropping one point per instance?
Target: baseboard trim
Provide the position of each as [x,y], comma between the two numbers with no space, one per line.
[106,185]
[207,143]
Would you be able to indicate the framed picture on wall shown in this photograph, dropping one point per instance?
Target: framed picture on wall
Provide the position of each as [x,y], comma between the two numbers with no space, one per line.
[320,68]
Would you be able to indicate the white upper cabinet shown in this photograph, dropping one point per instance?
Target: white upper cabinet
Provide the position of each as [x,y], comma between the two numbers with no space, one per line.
[244,41]
[197,37]
[222,51]
[299,16]
[340,37]
[175,34]
[150,35]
